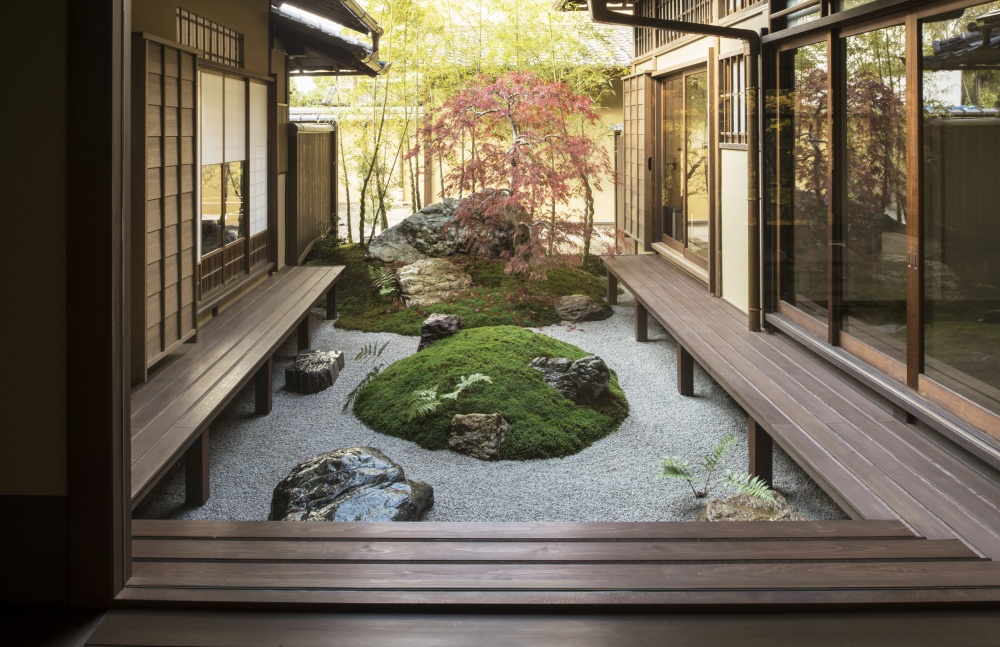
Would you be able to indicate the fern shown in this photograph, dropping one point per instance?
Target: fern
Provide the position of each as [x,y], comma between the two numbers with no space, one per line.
[372,374]
[371,351]
[674,467]
[746,484]
[384,279]
[426,401]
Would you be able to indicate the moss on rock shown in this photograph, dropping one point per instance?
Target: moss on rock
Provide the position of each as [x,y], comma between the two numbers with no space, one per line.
[543,423]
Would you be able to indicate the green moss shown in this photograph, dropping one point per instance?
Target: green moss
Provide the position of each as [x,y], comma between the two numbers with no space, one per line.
[496,298]
[543,423]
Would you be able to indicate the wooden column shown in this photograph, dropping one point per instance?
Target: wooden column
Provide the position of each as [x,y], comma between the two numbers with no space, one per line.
[685,371]
[641,326]
[262,388]
[612,289]
[902,415]
[196,474]
[303,330]
[331,303]
[761,452]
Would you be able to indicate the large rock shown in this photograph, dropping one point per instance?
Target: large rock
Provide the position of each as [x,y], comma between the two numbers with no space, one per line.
[579,307]
[353,484]
[479,435]
[941,283]
[582,381]
[429,233]
[431,281]
[743,507]
[436,327]
[313,371]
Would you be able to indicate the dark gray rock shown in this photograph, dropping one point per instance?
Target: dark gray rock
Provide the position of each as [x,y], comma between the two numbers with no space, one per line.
[743,507]
[313,371]
[429,233]
[579,307]
[436,327]
[479,435]
[353,484]
[582,381]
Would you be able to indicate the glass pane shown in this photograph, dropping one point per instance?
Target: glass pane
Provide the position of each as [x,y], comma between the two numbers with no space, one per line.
[875,204]
[806,161]
[672,205]
[234,201]
[961,261]
[696,162]
[211,208]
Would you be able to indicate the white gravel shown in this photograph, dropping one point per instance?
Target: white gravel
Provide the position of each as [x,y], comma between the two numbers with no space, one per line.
[615,479]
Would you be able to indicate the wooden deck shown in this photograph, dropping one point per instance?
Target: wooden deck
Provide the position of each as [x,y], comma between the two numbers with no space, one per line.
[873,465]
[171,412]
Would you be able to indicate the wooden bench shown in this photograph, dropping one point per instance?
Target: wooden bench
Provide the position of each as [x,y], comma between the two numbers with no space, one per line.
[172,411]
[872,464]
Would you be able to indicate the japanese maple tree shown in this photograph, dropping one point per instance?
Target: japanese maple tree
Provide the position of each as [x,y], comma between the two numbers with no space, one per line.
[520,148]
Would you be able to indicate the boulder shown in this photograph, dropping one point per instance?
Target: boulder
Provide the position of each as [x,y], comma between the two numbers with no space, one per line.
[743,507]
[313,371]
[479,435]
[438,326]
[579,307]
[431,281]
[582,381]
[941,283]
[353,484]
[429,233]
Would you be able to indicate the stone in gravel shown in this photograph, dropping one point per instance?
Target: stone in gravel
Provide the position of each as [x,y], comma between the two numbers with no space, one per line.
[582,381]
[313,371]
[479,435]
[436,327]
[431,281]
[429,232]
[353,484]
[743,507]
[579,307]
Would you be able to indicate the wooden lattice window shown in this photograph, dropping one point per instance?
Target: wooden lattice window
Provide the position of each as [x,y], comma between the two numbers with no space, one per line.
[733,100]
[730,7]
[217,42]
[698,11]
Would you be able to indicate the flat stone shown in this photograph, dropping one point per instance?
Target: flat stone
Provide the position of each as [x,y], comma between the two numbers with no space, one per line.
[743,507]
[582,381]
[352,484]
[313,371]
[579,307]
[479,435]
[431,281]
[437,327]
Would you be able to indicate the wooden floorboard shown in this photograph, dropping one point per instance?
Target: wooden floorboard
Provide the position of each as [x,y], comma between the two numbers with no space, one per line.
[870,463]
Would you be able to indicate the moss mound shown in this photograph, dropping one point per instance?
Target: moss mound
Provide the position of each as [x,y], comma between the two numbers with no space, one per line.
[543,423]
[496,298]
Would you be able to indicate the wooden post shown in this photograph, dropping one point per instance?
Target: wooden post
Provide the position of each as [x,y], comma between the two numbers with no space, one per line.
[331,303]
[612,289]
[761,452]
[685,371]
[902,415]
[641,327]
[196,473]
[304,334]
[262,388]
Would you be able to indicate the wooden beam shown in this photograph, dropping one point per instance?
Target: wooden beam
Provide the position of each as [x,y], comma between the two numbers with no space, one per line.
[262,388]
[196,472]
[761,452]
[331,303]
[303,331]
[641,325]
[685,371]
[612,289]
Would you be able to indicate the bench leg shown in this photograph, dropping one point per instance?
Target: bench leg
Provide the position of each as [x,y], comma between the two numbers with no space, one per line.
[303,331]
[902,415]
[262,388]
[612,289]
[331,303]
[761,452]
[641,326]
[196,482]
[685,371]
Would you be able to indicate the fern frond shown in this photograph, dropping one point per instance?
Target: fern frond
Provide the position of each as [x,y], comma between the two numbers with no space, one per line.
[421,403]
[747,484]
[674,467]
[466,381]
[714,457]
[372,374]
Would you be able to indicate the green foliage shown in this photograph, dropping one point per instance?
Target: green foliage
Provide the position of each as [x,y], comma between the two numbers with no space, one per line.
[677,468]
[425,401]
[385,281]
[496,298]
[543,423]
[371,351]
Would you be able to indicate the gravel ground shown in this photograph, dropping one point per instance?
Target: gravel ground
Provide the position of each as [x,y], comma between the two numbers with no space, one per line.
[615,479]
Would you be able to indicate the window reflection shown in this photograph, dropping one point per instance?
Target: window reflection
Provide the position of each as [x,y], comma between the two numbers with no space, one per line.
[875,201]
[696,167]
[211,208]
[961,219]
